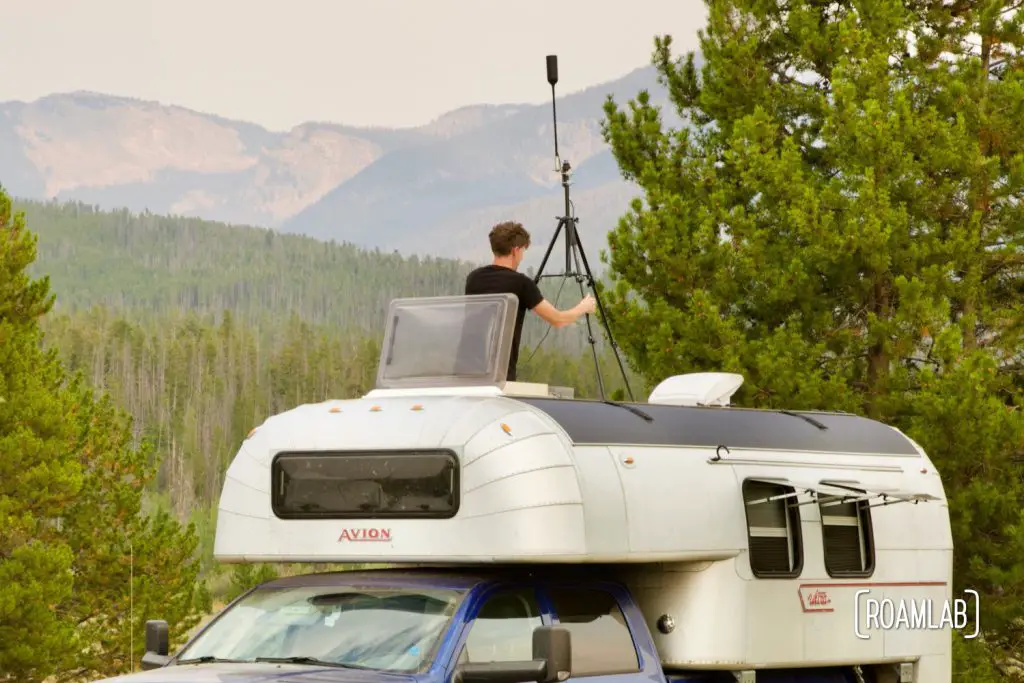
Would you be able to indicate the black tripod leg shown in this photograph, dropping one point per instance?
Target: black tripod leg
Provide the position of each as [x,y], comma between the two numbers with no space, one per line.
[604,316]
[547,254]
[590,330]
[570,239]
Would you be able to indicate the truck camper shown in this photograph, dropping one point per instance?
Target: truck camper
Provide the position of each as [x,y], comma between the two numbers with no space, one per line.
[533,536]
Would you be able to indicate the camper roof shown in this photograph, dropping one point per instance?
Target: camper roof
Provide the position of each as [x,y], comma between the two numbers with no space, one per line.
[445,461]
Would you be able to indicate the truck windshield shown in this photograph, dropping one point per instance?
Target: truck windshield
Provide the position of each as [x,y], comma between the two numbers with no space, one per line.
[373,627]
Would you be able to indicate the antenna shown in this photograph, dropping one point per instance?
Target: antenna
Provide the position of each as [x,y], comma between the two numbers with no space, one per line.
[131,606]
[574,253]
[552,79]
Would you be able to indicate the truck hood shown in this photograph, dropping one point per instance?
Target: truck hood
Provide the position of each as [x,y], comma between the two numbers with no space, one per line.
[256,672]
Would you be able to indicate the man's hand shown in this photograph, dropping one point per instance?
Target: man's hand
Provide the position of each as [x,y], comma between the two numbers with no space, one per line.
[557,318]
[587,304]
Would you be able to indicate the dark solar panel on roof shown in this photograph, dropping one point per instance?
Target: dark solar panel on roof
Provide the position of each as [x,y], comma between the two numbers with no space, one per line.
[596,422]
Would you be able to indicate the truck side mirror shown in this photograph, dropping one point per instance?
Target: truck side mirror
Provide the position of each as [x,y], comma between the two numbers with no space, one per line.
[553,646]
[551,663]
[157,645]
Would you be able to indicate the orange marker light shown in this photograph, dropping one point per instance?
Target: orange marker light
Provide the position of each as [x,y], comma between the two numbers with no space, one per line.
[249,435]
[417,407]
[375,409]
[505,428]
[335,409]
[628,460]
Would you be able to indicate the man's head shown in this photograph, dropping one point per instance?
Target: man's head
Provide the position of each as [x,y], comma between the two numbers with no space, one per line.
[509,242]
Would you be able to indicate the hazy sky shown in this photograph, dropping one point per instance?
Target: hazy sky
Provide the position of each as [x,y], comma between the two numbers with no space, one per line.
[365,62]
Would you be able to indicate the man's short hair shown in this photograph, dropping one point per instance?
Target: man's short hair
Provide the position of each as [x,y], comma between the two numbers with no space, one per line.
[507,236]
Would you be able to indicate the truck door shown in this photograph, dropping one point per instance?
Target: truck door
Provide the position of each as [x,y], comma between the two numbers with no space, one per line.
[501,628]
[604,647]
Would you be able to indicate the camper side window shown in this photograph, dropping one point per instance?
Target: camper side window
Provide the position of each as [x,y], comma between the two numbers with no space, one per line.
[601,641]
[773,530]
[503,628]
[846,537]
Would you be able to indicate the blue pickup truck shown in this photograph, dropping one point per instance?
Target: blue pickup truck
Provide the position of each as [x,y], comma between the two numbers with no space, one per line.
[434,625]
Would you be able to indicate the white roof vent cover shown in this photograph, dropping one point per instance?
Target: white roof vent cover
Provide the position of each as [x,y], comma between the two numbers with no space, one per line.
[697,389]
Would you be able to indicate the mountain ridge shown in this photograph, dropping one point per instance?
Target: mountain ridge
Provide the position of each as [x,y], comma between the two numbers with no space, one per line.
[399,189]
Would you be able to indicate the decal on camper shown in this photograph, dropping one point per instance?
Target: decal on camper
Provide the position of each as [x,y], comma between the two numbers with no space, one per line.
[371,534]
[814,599]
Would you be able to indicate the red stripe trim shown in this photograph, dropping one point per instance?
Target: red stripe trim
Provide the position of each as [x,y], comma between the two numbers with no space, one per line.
[903,584]
[892,584]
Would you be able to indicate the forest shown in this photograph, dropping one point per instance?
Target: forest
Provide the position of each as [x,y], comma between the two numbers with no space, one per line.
[840,222]
[200,331]
[196,332]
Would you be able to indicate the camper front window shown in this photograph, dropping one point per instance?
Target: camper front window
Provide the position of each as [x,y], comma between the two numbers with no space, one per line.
[364,627]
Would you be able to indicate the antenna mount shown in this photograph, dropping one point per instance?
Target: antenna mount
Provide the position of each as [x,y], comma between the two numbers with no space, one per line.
[574,254]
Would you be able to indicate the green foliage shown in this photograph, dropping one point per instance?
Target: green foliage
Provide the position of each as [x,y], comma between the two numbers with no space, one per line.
[80,568]
[150,268]
[974,661]
[961,418]
[39,475]
[247,576]
[840,222]
[128,567]
[158,265]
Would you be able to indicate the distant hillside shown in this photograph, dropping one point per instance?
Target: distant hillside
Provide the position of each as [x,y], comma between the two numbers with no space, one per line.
[120,152]
[151,267]
[413,190]
[509,163]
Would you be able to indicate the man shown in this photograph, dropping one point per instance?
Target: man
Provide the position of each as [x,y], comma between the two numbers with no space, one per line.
[509,242]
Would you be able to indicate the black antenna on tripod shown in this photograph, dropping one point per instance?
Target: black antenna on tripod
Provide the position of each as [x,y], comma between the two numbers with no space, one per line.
[574,253]
[552,79]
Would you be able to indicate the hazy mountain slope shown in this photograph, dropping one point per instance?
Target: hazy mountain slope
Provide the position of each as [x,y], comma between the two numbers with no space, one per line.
[17,173]
[409,198]
[408,190]
[599,196]
[465,119]
[122,152]
[465,236]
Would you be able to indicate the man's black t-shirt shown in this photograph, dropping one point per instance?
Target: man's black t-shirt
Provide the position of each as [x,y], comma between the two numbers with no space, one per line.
[494,279]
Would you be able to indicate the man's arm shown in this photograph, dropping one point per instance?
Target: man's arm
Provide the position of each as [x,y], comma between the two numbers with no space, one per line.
[533,300]
[557,318]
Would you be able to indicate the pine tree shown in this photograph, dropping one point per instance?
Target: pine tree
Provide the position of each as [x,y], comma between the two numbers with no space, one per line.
[967,61]
[839,221]
[81,568]
[39,477]
[129,567]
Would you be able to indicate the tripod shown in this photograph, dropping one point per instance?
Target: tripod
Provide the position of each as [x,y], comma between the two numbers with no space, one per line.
[574,253]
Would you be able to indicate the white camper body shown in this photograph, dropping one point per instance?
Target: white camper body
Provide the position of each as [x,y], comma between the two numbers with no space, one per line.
[750,530]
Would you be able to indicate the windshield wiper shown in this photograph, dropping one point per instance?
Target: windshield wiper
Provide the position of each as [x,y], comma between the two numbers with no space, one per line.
[306,660]
[206,658]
